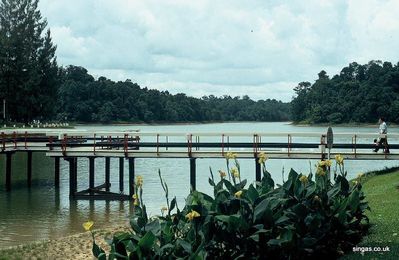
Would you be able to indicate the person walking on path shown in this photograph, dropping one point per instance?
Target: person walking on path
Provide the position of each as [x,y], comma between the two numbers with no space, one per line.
[383,142]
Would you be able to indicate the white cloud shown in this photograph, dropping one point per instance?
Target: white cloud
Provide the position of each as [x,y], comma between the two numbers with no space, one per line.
[259,48]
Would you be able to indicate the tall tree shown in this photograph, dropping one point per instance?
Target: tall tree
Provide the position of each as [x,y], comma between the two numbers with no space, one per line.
[28,67]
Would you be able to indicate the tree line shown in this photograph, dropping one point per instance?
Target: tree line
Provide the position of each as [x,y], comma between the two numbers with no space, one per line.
[34,87]
[358,94]
[85,99]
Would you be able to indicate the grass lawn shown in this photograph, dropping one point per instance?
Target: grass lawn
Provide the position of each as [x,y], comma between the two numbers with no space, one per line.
[382,193]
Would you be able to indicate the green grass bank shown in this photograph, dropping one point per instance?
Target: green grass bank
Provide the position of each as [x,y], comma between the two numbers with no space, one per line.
[382,193]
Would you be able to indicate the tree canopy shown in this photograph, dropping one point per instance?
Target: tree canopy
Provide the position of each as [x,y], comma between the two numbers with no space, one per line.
[28,67]
[358,94]
[82,98]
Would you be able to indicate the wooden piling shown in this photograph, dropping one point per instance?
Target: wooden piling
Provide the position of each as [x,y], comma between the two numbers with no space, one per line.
[8,171]
[72,176]
[107,173]
[91,174]
[131,176]
[121,166]
[193,173]
[29,169]
[57,172]
[258,174]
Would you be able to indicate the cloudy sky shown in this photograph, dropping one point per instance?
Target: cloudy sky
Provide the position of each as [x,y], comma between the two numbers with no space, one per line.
[256,48]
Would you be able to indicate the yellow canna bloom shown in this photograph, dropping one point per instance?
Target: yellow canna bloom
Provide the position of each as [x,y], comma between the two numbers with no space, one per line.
[262,157]
[320,171]
[360,175]
[238,194]
[222,174]
[139,181]
[87,225]
[193,214]
[231,155]
[135,196]
[339,159]
[234,172]
[163,209]
[303,179]
[325,163]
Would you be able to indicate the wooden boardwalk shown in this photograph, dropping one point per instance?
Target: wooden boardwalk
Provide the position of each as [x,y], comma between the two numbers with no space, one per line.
[128,145]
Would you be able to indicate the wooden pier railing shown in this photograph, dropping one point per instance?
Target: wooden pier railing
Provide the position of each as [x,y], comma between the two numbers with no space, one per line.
[128,145]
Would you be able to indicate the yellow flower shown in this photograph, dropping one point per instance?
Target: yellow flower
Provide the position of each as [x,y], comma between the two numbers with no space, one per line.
[193,214]
[262,157]
[222,174]
[360,175]
[238,194]
[303,179]
[325,163]
[339,159]
[87,225]
[231,155]
[320,171]
[234,172]
[355,182]
[139,181]
[136,202]
[163,209]
[135,197]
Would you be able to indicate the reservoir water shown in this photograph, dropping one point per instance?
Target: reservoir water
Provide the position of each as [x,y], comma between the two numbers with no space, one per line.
[42,212]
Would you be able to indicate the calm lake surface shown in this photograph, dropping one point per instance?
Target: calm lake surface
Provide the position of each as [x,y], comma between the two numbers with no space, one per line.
[43,212]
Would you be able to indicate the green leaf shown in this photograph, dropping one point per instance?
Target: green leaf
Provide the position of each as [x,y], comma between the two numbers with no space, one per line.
[153,227]
[147,241]
[172,204]
[211,182]
[229,187]
[252,194]
[263,212]
[97,250]
[185,245]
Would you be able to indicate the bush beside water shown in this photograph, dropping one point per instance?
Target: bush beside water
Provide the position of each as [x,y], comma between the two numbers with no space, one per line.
[306,216]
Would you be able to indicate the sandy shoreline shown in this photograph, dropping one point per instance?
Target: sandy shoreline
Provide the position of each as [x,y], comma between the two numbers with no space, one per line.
[77,246]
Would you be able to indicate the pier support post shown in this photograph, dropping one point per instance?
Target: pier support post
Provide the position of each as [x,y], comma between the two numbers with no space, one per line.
[131,176]
[72,176]
[57,172]
[29,169]
[91,174]
[258,174]
[121,166]
[107,173]
[193,173]
[8,171]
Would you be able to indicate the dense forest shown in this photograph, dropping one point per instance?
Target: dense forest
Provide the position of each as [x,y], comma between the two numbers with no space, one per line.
[33,86]
[84,99]
[360,93]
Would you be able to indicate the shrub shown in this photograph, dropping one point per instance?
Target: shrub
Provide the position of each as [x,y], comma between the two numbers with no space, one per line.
[306,216]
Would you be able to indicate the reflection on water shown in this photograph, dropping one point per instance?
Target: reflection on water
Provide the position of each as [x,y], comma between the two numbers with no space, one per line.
[44,212]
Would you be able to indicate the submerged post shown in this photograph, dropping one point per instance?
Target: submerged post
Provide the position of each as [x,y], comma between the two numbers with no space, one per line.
[8,171]
[29,169]
[107,173]
[57,172]
[91,174]
[131,176]
[258,175]
[72,176]
[121,165]
[193,173]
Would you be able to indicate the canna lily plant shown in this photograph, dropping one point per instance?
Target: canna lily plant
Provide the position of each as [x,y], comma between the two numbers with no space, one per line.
[306,216]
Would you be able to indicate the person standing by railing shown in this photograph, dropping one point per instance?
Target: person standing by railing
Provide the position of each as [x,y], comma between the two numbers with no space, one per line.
[383,141]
